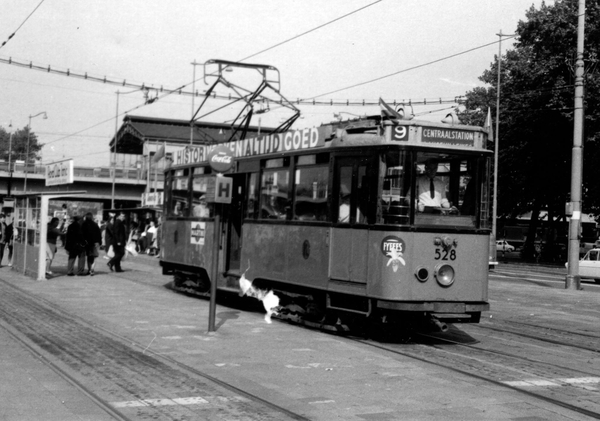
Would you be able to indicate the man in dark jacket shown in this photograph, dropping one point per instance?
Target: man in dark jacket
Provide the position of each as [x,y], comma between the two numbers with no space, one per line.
[75,246]
[118,242]
[93,238]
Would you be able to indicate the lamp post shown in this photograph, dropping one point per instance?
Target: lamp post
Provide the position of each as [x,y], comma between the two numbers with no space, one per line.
[27,154]
[496,142]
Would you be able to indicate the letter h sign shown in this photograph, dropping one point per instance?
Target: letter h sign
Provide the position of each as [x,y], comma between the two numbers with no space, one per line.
[223,190]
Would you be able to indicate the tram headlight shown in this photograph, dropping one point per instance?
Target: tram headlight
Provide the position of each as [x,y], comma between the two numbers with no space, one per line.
[444,275]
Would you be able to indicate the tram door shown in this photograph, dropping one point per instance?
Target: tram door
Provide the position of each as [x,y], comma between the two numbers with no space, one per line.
[234,223]
[349,238]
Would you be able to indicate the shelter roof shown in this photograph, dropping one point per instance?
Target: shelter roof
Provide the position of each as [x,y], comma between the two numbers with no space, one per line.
[138,129]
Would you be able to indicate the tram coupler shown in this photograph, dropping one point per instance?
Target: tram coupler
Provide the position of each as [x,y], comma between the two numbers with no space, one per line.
[436,325]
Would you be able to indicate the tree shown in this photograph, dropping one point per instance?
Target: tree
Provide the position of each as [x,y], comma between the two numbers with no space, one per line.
[536,119]
[18,146]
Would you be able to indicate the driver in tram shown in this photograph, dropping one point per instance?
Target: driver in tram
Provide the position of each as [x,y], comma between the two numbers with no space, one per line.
[431,189]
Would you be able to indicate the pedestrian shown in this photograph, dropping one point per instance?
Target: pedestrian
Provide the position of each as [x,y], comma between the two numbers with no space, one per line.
[93,238]
[75,246]
[119,240]
[108,235]
[158,235]
[51,236]
[151,237]
[10,239]
[3,236]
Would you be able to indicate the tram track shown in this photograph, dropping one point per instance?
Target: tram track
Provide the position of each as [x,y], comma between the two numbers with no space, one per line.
[119,375]
[102,404]
[561,384]
[578,340]
[558,384]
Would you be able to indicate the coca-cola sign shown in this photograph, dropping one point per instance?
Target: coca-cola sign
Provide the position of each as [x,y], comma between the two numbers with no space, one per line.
[220,158]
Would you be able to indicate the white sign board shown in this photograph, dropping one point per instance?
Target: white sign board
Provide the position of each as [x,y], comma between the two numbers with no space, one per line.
[152,199]
[8,203]
[60,172]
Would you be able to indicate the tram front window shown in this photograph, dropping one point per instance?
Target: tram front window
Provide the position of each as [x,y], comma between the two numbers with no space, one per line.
[447,189]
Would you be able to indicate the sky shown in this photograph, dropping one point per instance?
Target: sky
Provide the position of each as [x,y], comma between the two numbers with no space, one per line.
[336,50]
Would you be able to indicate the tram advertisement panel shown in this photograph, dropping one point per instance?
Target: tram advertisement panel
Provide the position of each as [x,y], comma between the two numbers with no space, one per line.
[294,140]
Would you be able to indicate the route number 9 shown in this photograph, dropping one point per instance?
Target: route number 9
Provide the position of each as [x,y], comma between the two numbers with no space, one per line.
[400,133]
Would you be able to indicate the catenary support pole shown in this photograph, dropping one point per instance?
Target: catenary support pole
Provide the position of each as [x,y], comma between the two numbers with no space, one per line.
[573,281]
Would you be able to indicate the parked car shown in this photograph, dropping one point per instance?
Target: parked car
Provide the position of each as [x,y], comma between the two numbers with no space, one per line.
[589,266]
[504,246]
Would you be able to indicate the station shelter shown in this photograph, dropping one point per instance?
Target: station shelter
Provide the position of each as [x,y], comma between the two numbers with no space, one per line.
[30,225]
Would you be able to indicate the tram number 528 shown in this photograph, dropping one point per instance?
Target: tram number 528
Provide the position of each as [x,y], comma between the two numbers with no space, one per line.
[441,254]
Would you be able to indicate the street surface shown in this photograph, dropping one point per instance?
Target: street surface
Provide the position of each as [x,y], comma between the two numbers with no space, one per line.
[125,346]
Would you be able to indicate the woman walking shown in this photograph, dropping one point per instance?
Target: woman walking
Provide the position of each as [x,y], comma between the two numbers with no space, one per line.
[93,238]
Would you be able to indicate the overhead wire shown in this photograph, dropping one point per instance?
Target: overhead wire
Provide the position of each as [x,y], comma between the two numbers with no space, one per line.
[22,23]
[309,101]
[405,70]
[311,30]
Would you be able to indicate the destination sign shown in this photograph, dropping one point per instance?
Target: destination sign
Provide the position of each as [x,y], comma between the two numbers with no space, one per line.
[293,140]
[448,136]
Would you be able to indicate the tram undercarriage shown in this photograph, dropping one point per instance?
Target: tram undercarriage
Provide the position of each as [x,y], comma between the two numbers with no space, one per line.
[334,312]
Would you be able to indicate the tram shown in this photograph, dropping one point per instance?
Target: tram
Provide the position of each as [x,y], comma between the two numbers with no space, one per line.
[326,218]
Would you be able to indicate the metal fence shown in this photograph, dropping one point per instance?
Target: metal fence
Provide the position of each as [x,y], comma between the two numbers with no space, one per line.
[106,172]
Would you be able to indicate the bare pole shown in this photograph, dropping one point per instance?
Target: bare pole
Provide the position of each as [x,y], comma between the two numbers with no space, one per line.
[497,140]
[114,155]
[193,107]
[114,150]
[10,171]
[573,281]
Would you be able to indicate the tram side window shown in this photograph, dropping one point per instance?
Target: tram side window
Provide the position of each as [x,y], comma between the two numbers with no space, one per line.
[252,197]
[345,194]
[275,183]
[394,184]
[467,200]
[180,206]
[200,207]
[352,191]
[311,191]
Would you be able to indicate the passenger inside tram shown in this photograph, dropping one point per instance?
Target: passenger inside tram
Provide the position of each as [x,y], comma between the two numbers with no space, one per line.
[201,208]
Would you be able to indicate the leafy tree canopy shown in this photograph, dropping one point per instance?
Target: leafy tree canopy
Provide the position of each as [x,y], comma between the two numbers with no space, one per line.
[18,145]
[536,110]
